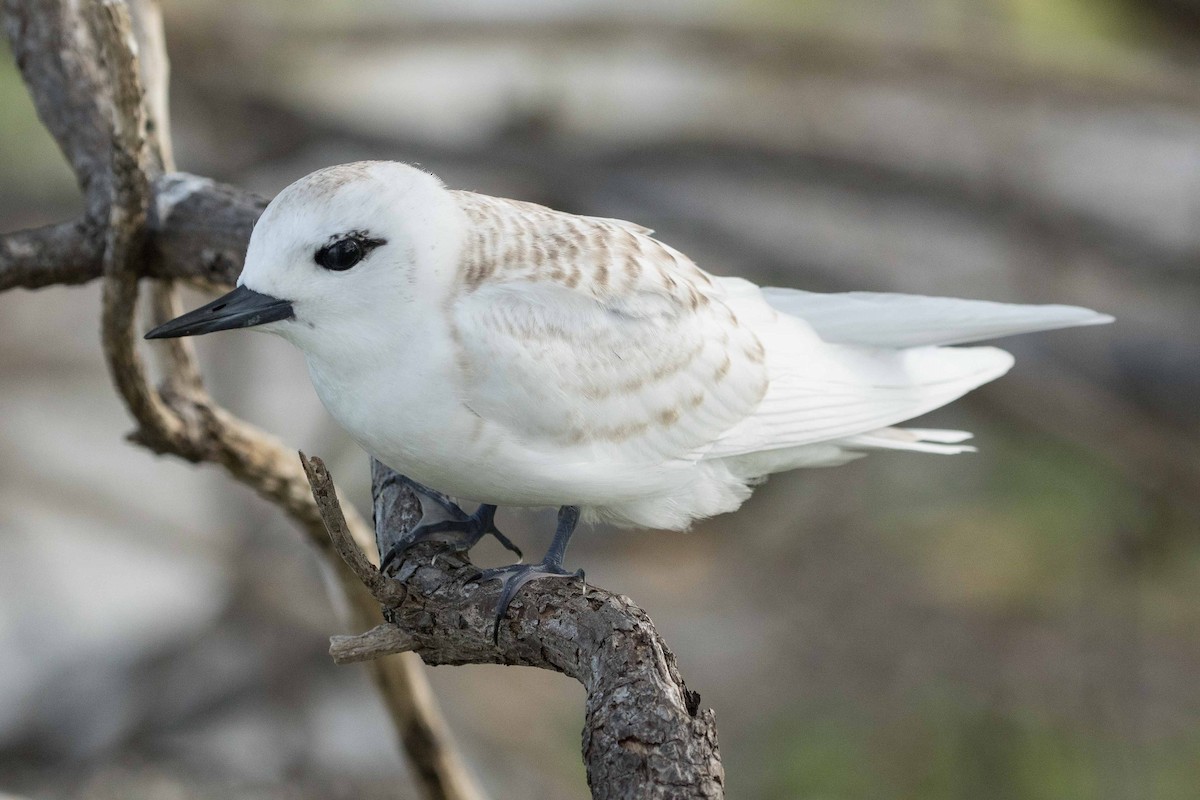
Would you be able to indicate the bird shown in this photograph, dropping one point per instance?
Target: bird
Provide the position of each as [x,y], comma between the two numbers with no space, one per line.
[515,355]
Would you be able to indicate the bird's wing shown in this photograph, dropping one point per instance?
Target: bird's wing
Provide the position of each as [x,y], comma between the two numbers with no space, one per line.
[847,391]
[578,332]
[845,365]
[821,391]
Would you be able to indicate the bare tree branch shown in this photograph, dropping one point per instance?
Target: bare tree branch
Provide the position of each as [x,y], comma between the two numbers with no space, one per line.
[61,254]
[182,374]
[200,229]
[197,230]
[116,62]
[645,735]
[81,61]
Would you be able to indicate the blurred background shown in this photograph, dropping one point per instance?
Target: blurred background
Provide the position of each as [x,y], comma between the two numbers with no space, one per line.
[1019,623]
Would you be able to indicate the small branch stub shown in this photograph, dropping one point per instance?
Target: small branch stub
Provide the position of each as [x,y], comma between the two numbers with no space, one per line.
[382,640]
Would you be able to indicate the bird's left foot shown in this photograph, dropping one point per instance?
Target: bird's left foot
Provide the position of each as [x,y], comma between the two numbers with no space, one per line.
[515,576]
[456,529]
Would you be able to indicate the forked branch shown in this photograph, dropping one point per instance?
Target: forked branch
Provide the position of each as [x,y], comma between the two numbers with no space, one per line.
[97,73]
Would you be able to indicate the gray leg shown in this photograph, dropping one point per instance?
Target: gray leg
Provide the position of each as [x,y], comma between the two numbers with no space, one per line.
[443,521]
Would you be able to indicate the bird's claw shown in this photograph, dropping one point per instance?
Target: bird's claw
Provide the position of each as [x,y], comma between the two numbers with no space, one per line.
[516,576]
[460,535]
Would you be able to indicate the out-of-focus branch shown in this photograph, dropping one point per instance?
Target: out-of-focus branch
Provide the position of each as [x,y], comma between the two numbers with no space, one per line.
[197,231]
[645,735]
[61,254]
[107,110]
[116,68]
[181,372]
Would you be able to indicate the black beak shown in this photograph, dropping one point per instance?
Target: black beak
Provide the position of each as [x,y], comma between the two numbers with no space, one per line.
[241,308]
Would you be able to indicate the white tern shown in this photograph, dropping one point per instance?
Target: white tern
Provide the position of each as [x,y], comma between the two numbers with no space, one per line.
[512,354]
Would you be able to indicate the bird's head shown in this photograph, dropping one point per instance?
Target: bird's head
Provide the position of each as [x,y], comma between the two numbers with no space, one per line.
[340,251]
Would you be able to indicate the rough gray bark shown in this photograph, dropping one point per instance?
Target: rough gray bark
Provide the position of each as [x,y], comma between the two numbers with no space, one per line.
[64,253]
[200,229]
[644,735]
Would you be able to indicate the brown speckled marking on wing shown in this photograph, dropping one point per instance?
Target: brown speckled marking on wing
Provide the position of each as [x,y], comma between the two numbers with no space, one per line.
[578,331]
[514,240]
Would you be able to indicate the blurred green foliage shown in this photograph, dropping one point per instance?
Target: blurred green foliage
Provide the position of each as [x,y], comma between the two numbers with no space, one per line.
[1097,36]
[949,748]
[1036,539]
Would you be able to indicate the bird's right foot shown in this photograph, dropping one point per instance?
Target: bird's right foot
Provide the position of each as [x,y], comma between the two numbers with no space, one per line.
[514,577]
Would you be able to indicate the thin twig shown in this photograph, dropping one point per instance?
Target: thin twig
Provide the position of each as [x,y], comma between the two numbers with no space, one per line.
[382,640]
[385,591]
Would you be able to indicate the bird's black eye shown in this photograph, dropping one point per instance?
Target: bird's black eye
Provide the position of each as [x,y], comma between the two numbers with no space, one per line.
[341,255]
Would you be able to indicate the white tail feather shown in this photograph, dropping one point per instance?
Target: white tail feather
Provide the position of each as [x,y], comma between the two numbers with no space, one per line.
[921,440]
[903,320]
[939,435]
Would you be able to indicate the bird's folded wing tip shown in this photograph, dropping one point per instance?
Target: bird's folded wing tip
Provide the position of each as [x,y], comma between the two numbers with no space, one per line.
[1078,315]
